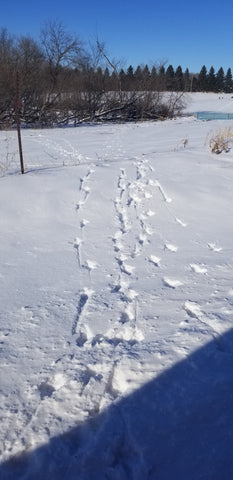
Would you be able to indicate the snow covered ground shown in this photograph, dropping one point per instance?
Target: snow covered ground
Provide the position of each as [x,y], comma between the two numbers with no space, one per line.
[116,319]
[212,102]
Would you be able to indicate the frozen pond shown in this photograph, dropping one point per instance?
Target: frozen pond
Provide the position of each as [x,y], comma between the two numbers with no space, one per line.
[214,116]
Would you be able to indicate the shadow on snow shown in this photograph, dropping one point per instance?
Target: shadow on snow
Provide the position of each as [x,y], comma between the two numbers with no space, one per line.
[179,425]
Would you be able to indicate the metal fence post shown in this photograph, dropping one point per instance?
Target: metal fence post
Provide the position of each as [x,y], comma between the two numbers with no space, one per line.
[17,114]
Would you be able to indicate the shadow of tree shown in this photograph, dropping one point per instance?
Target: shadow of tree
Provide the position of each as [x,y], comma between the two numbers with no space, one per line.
[177,426]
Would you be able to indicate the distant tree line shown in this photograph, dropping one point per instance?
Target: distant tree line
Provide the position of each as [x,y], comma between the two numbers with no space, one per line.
[61,82]
[211,81]
[170,79]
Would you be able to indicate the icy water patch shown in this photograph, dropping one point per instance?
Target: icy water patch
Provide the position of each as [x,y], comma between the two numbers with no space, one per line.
[214,116]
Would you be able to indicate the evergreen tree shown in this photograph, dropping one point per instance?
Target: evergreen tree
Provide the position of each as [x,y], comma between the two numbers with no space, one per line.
[186,80]
[220,80]
[202,79]
[146,73]
[146,78]
[161,79]
[179,83]
[211,81]
[138,78]
[170,78]
[194,83]
[130,73]
[123,80]
[129,79]
[162,70]
[228,83]
[154,79]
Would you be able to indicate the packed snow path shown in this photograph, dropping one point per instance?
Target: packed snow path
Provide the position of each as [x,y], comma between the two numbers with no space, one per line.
[117,302]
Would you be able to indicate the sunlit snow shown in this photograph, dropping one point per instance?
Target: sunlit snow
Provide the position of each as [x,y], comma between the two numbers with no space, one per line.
[116,316]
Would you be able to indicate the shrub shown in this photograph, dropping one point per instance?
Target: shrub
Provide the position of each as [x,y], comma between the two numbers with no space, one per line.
[220,141]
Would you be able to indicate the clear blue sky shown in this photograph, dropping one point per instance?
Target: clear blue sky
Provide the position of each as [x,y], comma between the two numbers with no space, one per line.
[137,31]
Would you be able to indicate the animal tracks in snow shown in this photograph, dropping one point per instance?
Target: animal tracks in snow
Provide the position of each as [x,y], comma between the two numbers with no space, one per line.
[198,268]
[77,245]
[217,327]
[90,265]
[84,297]
[155,260]
[48,387]
[192,309]
[84,189]
[164,195]
[137,203]
[124,267]
[171,247]
[124,328]
[181,222]
[214,247]
[138,200]
[171,282]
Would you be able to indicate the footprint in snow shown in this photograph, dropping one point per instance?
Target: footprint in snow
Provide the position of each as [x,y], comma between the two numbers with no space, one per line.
[82,338]
[83,300]
[86,190]
[172,283]
[192,309]
[147,195]
[137,249]
[181,222]
[118,246]
[163,193]
[82,180]
[126,268]
[130,295]
[126,333]
[150,213]
[198,268]
[79,205]
[215,323]
[47,388]
[77,245]
[155,260]
[128,314]
[148,230]
[91,265]
[77,242]
[83,223]
[170,247]
[142,238]
[214,247]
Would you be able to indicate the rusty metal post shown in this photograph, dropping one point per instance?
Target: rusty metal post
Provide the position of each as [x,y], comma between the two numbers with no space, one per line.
[17,115]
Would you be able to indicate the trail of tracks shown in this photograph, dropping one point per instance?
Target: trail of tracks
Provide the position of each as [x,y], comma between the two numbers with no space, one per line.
[130,273]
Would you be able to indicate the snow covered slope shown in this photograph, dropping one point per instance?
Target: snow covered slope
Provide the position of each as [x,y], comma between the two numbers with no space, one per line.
[116,304]
[211,102]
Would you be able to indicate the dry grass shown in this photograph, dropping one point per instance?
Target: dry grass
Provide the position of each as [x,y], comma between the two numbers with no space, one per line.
[7,157]
[220,141]
[182,144]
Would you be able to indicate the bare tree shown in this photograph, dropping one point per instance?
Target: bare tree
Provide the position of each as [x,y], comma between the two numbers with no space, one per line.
[30,62]
[7,85]
[113,65]
[62,51]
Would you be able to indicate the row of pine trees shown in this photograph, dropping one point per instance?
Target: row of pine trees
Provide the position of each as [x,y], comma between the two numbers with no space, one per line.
[170,79]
